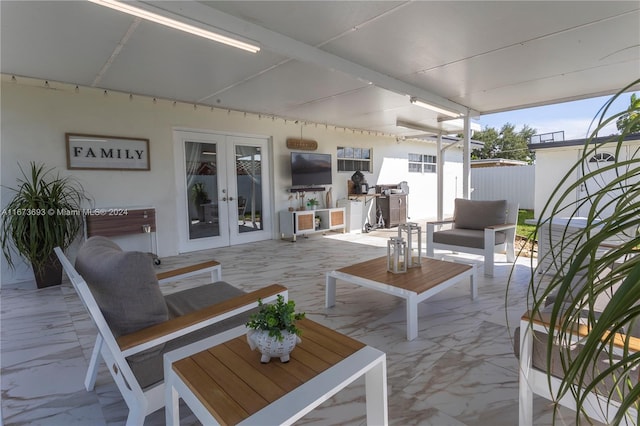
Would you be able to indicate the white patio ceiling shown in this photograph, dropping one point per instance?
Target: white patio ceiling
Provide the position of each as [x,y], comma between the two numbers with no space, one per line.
[350,64]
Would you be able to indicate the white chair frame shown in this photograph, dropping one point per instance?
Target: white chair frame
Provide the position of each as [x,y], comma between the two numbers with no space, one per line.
[142,402]
[490,246]
[534,381]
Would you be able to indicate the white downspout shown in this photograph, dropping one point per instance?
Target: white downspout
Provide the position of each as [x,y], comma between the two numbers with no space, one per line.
[440,177]
[466,158]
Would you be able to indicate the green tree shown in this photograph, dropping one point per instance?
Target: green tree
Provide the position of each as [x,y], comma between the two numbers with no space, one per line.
[506,143]
[629,118]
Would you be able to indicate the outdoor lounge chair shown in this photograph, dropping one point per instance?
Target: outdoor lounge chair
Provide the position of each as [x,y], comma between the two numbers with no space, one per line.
[478,227]
[137,324]
[539,378]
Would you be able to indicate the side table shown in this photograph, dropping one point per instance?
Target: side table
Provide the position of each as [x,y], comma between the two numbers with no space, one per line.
[223,381]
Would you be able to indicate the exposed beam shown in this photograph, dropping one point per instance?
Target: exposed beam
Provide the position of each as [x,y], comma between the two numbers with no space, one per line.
[209,18]
[417,126]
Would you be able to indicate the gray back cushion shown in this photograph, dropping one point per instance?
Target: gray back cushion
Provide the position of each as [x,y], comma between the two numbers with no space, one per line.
[472,214]
[124,285]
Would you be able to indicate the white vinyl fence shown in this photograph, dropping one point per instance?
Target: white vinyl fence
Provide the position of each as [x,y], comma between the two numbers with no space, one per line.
[515,184]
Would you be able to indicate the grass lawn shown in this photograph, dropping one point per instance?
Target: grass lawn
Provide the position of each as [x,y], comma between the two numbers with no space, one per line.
[523,229]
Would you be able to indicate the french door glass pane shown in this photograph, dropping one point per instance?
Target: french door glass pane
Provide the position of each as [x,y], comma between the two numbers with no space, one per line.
[249,184]
[202,189]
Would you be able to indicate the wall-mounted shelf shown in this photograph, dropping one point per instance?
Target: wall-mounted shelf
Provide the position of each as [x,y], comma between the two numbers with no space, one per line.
[124,221]
[308,189]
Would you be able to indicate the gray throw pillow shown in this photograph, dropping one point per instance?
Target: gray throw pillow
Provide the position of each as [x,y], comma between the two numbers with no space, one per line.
[472,214]
[124,285]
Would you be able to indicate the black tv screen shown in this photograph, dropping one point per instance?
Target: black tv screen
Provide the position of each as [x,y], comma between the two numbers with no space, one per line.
[310,169]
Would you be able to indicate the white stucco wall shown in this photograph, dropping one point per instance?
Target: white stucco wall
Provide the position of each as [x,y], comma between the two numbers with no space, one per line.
[552,164]
[35,120]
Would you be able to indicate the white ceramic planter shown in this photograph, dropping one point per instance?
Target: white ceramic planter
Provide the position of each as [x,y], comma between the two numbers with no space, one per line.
[270,346]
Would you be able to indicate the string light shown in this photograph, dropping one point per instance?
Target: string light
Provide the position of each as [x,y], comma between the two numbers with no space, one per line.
[286,121]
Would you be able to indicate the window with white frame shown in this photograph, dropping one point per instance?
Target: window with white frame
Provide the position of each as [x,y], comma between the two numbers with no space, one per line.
[352,159]
[603,157]
[422,163]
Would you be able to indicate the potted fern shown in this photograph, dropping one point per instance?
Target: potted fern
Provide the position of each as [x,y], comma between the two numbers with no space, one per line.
[598,282]
[273,329]
[44,213]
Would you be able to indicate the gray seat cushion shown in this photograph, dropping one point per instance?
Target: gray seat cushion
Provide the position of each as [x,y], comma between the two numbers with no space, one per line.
[147,366]
[473,214]
[124,285]
[465,237]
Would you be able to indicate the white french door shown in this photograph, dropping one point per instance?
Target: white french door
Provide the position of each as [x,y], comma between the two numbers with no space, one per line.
[223,189]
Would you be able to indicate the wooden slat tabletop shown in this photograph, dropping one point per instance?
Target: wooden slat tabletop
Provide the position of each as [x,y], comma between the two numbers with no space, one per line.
[232,384]
[431,273]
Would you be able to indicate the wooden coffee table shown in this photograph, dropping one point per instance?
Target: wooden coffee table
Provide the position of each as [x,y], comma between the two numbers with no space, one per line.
[225,383]
[415,286]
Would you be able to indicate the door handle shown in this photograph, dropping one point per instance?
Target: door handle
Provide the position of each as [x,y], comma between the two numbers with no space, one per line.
[230,198]
[224,198]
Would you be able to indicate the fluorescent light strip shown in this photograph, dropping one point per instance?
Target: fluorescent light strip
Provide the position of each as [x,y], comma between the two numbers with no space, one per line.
[159,19]
[423,104]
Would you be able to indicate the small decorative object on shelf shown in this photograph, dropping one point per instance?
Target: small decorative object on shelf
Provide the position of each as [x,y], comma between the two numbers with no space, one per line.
[328,199]
[396,255]
[358,180]
[273,330]
[313,203]
[413,236]
[290,203]
[318,221]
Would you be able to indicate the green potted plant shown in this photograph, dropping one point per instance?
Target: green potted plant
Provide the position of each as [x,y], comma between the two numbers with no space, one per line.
[44,213]
[273,329]
[313,203]
[597,284]
[200,195]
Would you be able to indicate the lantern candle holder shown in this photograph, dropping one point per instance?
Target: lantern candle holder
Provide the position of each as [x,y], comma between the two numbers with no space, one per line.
[411,232]
[396,255]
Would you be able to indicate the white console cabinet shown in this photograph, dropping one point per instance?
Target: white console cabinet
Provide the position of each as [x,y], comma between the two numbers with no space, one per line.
[303,222]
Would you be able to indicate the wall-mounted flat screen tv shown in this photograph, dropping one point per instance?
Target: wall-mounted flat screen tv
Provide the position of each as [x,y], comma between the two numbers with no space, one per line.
[309,169]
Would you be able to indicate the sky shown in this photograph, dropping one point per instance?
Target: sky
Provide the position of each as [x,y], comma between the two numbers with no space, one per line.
[572,117]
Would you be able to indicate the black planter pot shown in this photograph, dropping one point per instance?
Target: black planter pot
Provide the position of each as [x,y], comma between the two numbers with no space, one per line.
[50,274]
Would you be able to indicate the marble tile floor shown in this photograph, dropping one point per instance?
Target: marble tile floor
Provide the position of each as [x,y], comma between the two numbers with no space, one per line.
[459,371]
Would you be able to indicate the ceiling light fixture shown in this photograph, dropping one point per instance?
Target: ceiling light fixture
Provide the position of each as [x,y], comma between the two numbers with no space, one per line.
[159,19]
[426,105]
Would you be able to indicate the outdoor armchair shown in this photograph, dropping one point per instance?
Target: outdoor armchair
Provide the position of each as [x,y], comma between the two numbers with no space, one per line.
[477,227]
[137,324]
[541,370]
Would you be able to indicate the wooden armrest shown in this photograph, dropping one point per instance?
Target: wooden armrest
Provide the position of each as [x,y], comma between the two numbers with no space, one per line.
[175,273]
[440,222]
[163,332]
[501,227]
[582,330]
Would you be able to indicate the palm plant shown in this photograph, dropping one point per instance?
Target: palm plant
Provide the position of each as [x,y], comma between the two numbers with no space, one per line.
[597,283]
[586,275]
[43,214]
